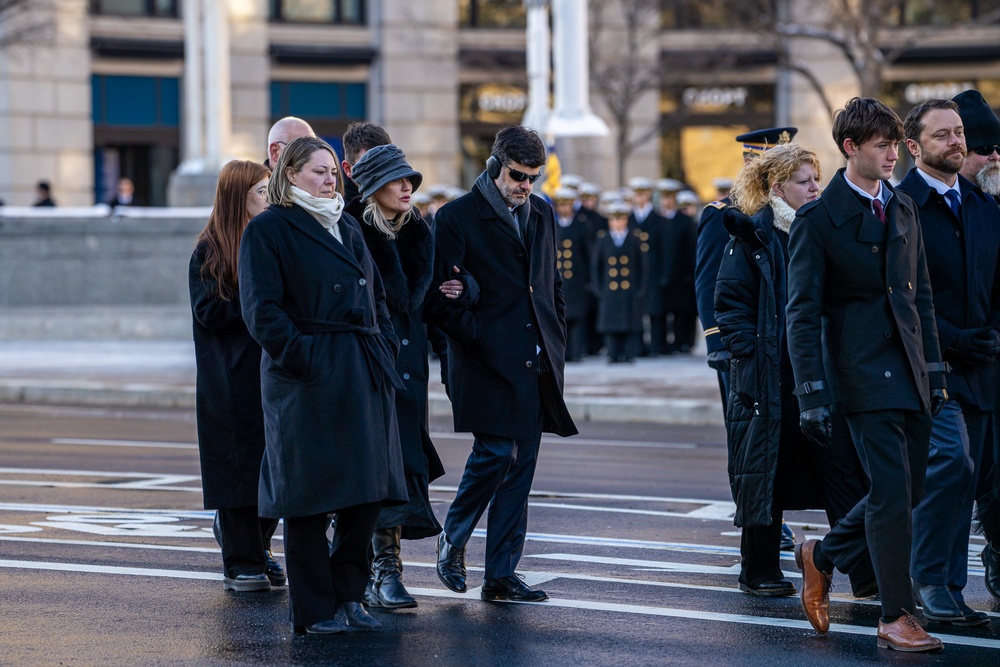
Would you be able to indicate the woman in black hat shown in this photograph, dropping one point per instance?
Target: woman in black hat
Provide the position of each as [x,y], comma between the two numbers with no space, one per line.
[402,245]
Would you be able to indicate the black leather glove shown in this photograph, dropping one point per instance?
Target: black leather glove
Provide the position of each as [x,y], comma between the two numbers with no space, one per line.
[974,346]
[816,424]
[719,360]
[938,398]
[989,342]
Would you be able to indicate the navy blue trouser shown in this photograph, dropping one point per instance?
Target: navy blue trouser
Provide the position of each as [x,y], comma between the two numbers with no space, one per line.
[497,475]
[943,519]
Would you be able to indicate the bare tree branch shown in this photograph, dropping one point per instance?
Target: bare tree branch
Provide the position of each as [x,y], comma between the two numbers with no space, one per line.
[25,22]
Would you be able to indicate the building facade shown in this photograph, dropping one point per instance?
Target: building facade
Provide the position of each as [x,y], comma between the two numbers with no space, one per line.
[108,90]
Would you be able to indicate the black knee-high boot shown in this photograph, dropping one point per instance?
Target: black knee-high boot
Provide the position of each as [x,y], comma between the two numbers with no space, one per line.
[388,591]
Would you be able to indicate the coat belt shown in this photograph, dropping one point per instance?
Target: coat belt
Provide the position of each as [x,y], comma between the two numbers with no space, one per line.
[375,351]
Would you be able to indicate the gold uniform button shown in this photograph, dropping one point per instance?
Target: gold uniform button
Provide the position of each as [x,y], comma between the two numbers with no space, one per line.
[613,273]
[567,274]
[612,285]
[625,272]
[625,284]
[567,264]
[624,260]
[644,236]
[567,243]
[567,253]
[644,247]
[612,261]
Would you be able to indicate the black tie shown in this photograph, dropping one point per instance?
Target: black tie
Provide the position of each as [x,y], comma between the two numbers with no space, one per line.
[952,198]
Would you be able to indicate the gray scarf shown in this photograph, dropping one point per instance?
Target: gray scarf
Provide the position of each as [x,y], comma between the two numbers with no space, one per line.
[492,194]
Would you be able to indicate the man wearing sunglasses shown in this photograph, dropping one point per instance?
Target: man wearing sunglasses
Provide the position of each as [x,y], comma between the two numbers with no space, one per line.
[506,355]
[982,167]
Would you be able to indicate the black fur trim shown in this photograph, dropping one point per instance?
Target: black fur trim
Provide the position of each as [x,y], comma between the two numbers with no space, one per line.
[406,263]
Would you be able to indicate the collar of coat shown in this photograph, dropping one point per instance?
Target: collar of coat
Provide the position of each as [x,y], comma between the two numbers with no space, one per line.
[844,205]
[352,249]
[406,262]
[487,212]
[919,190]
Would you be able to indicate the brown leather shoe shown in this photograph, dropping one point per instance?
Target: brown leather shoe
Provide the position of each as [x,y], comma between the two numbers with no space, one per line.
[815,587]
[906,634]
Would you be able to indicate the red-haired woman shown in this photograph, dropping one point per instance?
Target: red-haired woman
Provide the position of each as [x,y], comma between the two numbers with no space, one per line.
[230,418]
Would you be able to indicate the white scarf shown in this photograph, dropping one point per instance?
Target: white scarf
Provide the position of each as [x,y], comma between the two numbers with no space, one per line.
[326,210]
[783,213]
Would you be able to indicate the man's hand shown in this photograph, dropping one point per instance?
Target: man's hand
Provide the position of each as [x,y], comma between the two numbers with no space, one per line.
[816,424]
[938,398]
[719,360]
[975,346]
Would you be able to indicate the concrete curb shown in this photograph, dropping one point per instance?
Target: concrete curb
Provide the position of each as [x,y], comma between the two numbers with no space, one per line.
[681,411]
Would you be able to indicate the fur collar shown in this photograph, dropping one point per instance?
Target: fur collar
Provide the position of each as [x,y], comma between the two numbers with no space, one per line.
[406,263]
[784,214]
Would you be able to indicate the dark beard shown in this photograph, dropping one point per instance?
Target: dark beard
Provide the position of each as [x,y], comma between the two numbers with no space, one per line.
[943,163]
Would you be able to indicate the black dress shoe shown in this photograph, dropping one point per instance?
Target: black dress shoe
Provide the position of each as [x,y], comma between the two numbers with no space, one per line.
[512,589]
[937,602]
[779,588]
[334,626]
[991,563]
[243,583]
[451,565]
[971,618]
[275,573]
[358,618]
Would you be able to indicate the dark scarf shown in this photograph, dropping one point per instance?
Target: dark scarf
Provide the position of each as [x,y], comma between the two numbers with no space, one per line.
[492,194]
[406,263]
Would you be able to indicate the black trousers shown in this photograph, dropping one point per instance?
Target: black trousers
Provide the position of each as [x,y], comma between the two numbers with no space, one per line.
[576,339]
[245,538]
[622,346]
[319,581]
[497,475]
[892,446]
[657,334]
[761,551]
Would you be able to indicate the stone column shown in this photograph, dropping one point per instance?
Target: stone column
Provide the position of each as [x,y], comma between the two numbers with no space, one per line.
[538,48]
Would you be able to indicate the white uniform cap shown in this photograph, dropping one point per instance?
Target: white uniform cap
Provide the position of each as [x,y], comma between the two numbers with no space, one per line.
[570,181]
[669,185]
[685,197]
[723,183]
[589,189]
[640,183]
[564,194]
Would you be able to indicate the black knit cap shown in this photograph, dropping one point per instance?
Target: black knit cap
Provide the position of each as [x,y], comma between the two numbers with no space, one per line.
[380,165]
[982,127]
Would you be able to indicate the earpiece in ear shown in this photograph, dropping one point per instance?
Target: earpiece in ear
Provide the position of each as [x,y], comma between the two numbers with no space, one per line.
[493,167]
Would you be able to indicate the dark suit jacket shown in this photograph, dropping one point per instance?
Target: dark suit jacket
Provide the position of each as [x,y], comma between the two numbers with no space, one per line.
[712,240]
[962,258]
[860,314]
[493,364]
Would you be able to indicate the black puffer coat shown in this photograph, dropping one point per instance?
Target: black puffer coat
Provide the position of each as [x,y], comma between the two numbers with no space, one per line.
[769,458]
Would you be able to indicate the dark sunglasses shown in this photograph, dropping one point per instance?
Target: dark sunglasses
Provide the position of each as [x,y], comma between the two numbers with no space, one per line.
[986,150]
[521,177]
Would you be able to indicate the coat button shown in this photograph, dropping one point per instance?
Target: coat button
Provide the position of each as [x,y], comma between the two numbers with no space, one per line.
[528,327]
[405,341]
[531,289]
[362,282]
[406,376]
[874,248]
[887,333]
[520,256]
[890,289]
[528,364]
[914,329]
[887,374]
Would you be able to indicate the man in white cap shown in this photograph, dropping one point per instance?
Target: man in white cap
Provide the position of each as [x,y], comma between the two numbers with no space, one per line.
[676,271]
[649,226]
[573,261]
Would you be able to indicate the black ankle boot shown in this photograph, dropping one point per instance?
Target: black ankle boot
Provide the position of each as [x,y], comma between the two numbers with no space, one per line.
[388,591]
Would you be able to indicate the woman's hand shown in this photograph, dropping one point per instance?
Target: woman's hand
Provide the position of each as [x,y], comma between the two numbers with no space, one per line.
[452,289]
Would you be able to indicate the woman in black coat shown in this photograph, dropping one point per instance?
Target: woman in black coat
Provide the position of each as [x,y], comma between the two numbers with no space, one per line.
[230,420]
[770,462]
[402,245]
[313,299]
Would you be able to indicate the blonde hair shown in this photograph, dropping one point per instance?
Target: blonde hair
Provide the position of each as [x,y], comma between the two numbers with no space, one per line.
[294,157]
[374,216]
[752,189]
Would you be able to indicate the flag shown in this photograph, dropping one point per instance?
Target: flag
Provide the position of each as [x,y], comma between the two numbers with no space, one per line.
[553,173]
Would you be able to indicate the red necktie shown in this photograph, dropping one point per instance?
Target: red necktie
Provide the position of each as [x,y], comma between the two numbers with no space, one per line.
[879,210]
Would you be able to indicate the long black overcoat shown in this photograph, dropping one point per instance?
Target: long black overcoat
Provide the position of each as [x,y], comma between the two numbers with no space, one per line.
[962,259]
[406,266]
[493,363]
[860,312]
[227,398]
[573,260]
[317,308]
[761,412]
[618,277]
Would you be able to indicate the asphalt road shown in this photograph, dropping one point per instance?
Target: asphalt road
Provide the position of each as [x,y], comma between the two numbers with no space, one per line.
[107,558]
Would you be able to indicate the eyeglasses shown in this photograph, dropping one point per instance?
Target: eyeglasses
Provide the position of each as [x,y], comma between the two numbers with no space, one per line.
[986,150]
[521,177]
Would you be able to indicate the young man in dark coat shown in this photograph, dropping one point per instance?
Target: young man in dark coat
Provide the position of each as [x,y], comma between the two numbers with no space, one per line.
[506,356]
[573,261]
[863,342]
[618,272]
[961,231]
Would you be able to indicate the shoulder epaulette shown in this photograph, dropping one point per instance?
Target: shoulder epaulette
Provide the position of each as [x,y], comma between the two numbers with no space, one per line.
[716,204]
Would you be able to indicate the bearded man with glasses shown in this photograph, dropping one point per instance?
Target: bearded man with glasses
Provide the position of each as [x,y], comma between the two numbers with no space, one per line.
[506,354]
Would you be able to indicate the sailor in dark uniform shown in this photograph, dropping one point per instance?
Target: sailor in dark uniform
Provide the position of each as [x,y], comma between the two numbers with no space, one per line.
[618,279]
[573,261]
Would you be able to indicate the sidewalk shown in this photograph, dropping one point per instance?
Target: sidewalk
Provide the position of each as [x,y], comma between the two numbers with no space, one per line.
[161,374]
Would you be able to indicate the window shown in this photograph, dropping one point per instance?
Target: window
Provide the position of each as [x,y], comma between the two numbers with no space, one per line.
[135,101]
[940,13]
[724,14]
[318,101]
[134,7]
[492,14]
[350,12]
